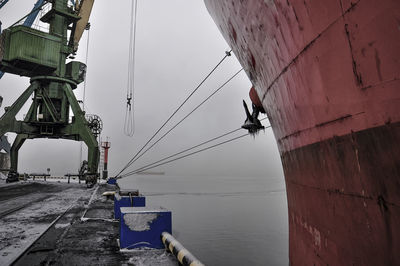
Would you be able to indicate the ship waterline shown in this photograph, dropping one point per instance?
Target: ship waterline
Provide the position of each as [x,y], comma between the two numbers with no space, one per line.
[327,73]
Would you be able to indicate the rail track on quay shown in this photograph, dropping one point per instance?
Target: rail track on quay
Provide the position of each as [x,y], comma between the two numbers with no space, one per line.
[29,210]
[9,211]
[68,224]
[28,249]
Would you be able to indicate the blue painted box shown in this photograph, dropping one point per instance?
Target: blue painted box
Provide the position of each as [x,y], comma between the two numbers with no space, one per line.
[142,227]
[127,201]
[112,181]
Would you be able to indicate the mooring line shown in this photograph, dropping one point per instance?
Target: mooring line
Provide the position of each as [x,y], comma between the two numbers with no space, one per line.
[90,202]
[227,54]
[99,219]
[190,113]
[159,162]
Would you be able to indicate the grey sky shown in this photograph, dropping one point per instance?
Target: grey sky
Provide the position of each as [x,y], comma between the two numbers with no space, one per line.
[177,45]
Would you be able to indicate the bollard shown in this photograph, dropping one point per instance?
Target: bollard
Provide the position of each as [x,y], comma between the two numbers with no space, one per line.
[127,199]
[178,250]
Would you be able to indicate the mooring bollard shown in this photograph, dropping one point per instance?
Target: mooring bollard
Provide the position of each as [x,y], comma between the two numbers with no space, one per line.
[183,255]
[128,198]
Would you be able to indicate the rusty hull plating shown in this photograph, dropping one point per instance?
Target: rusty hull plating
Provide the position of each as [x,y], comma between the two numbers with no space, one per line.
[328,73]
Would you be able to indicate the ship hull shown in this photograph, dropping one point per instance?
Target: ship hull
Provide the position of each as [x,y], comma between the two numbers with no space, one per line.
[328,76]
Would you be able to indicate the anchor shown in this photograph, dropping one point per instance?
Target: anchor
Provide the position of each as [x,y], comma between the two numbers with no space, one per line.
[252,124]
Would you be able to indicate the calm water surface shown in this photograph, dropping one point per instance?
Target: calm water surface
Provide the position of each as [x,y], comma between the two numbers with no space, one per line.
[223,220]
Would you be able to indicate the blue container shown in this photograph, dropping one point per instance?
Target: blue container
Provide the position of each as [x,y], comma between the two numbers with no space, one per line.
[142,227]
[127,201]
[112,181]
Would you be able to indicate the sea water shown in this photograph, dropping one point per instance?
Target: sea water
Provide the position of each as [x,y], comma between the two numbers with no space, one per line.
[223,220]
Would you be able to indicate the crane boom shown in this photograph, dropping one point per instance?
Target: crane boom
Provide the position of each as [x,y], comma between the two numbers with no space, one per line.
[34,13]
[85,8]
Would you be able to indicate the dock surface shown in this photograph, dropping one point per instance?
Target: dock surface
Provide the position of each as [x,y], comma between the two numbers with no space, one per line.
[49,223]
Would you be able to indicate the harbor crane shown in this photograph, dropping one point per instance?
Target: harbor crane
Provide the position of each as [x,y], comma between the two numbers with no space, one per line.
[42,56]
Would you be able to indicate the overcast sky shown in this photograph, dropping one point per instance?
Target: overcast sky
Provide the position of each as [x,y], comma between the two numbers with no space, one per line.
[177,45]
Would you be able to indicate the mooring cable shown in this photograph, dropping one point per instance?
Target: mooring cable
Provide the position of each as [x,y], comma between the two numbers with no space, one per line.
[187,155]
[227,54]
[184,118]
[158,163]
[186,150]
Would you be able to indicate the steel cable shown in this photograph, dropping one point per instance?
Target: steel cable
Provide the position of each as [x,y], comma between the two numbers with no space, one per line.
[158,163]
[184,156]
[191,112]
[173,114]
[129,123]
[84,88]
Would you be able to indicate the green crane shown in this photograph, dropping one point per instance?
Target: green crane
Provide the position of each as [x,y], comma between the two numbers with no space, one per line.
[42,57]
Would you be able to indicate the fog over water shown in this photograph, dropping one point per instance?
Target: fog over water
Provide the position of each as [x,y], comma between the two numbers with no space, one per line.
[231,192]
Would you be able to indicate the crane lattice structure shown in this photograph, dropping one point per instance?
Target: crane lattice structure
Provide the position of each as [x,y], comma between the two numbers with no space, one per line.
[42,57]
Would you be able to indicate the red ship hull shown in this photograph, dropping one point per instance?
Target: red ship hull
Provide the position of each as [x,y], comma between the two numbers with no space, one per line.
[328,75]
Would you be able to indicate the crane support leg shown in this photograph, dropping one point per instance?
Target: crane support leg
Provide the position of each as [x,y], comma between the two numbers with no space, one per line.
[81,129]
[8,121]
[19,140]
